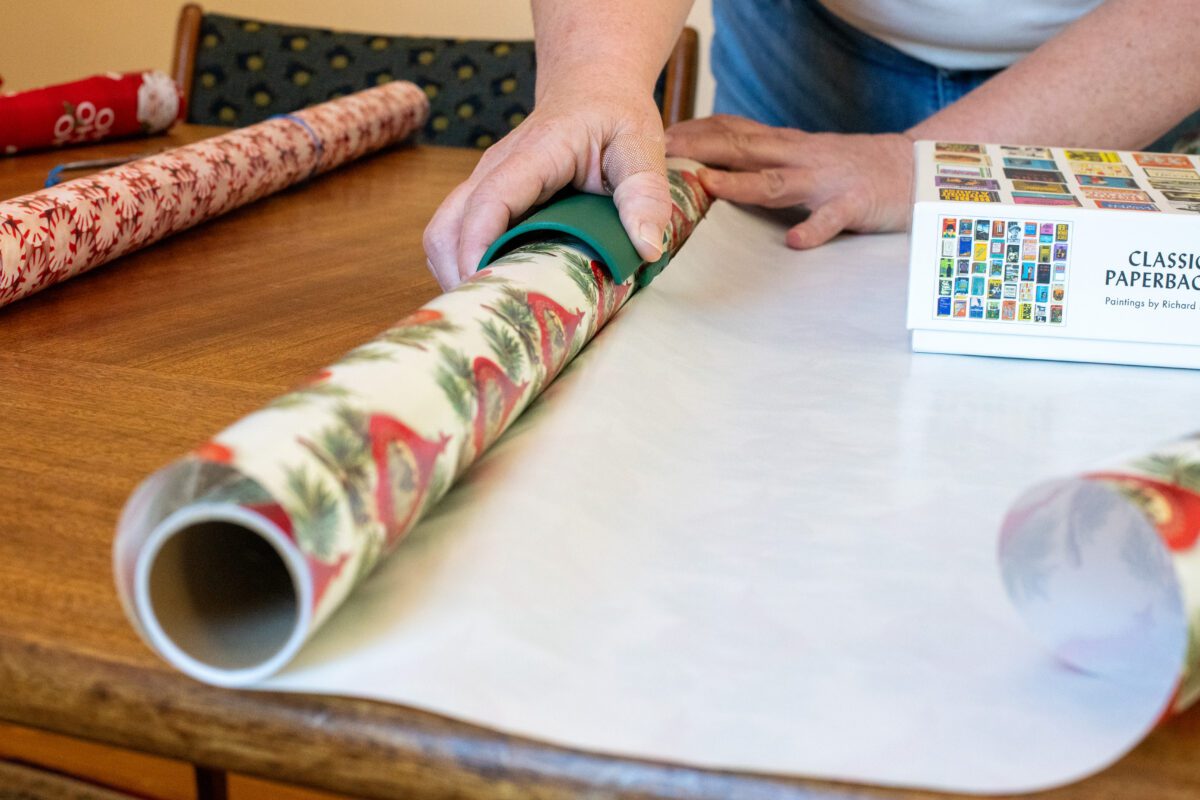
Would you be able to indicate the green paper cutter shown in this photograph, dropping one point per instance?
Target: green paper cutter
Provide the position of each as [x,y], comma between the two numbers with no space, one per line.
[591,219]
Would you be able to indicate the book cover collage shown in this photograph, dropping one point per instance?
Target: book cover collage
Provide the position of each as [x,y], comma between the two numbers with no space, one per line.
[1052,176]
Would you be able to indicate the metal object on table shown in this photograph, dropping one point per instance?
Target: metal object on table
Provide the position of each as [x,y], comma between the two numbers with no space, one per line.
[55,175]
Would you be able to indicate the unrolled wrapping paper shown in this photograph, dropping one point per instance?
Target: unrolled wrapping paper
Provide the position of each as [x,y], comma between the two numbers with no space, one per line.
[1105,568]
[56,233]
[753,510]
[100,107]
[228,560]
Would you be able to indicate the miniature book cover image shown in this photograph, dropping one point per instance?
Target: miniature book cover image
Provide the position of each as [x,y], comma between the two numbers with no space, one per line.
[1056,253]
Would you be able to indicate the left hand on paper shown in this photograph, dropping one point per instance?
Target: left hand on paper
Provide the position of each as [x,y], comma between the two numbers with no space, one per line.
[849,182]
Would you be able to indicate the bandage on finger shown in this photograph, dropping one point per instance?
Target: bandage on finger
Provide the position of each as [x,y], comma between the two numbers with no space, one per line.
[628,154]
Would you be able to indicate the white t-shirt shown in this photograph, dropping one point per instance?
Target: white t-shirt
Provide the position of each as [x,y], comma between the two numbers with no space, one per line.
[962,34]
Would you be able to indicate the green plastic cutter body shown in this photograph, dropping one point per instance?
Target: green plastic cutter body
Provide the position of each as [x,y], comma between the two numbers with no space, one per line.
[591,219]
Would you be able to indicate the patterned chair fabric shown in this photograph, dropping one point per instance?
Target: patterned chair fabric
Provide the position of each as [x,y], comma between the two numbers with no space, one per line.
[247,70]
[1188,143]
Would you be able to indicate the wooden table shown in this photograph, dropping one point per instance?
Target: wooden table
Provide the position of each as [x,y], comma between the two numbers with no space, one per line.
[113,374]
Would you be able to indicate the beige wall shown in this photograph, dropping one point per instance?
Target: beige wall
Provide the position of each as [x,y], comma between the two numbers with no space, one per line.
[49,41]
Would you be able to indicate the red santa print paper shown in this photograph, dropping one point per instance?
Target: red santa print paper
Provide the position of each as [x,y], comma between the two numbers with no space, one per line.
[285,512]
[101,107]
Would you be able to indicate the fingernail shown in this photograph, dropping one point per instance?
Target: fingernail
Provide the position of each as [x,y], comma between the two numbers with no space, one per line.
[649,234]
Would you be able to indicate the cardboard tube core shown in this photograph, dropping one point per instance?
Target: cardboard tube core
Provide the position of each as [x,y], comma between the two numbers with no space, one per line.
[223,596]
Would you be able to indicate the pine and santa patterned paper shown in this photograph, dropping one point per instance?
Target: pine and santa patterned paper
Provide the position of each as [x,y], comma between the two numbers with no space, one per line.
[1106,567]
[343,467]
[56,233]
[100,107]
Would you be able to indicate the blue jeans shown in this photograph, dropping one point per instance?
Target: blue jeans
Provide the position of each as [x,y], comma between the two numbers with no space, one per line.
[793,64]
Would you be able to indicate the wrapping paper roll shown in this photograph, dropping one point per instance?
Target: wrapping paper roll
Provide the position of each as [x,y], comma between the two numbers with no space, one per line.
[56,233]
[88,110]
[1105,569]
[228,560]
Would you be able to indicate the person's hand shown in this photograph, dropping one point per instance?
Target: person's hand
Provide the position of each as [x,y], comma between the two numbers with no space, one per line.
[595,141]
[849,182]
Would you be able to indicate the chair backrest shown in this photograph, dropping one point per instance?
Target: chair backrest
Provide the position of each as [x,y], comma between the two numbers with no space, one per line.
[239,71]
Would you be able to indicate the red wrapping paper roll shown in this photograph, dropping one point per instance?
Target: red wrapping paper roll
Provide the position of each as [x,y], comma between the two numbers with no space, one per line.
[100,107]
[56,233]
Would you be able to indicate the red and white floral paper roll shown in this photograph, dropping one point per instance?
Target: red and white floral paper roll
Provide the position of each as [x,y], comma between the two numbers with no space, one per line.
[228,560]
[56,233]
[100,107]
[1105,569]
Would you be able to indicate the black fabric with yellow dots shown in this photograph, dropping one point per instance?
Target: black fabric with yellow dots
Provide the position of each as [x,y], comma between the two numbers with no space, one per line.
[247,71]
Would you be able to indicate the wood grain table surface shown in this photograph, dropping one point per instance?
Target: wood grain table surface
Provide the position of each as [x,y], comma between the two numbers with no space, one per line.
[111,375]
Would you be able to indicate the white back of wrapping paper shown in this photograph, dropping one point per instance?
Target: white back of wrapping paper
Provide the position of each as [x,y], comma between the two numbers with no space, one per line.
[749,529]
